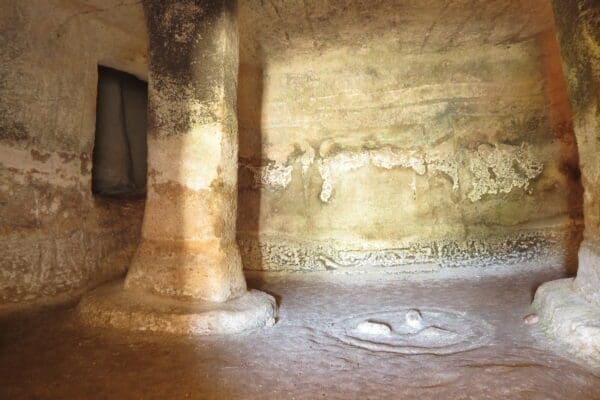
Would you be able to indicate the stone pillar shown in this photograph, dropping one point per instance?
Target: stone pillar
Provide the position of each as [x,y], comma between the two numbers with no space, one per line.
[188,248]
[188,253]
[570,308]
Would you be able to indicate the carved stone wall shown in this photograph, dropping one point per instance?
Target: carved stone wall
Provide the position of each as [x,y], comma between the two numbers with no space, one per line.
[569,308]
[389,133]
[372,133]
[277,253]
[578,25]
[56,239]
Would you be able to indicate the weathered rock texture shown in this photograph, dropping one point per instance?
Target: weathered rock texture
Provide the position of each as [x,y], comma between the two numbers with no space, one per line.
[56,239]
[379,133]
[188,247]
[137,310]
[571,308]
[188,260]
[487,352]
[387,133]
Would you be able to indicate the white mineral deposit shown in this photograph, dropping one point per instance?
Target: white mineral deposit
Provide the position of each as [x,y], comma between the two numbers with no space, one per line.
[284,199]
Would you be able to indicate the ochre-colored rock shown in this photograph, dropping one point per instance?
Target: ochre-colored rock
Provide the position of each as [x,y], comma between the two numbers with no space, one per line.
[57,240]
[380,135]
[570,309]
[423,138]
[188,251]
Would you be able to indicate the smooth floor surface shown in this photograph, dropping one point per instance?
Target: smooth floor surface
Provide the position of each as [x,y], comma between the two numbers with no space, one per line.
[472,343]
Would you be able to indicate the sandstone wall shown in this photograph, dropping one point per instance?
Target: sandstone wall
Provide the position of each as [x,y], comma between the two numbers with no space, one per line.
[380,133]
[578,24]
[390,133]
[55,238]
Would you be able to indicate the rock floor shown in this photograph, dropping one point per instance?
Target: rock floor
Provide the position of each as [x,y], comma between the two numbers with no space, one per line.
[476,346]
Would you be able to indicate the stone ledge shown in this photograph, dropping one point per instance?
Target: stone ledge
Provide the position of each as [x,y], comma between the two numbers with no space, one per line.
[568,317]
[112,306]
[269,252]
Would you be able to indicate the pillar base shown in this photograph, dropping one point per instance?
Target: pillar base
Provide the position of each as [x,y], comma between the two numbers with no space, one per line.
[113,306]
[567,316]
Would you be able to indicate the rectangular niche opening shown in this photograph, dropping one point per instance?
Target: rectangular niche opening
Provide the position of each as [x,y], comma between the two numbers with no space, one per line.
[120,149]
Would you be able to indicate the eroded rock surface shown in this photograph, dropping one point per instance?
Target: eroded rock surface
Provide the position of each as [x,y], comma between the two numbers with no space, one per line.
[388,133]
[570,309]
[56,239]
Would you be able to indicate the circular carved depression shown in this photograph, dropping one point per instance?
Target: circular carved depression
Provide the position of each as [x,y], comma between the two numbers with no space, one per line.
[414,331]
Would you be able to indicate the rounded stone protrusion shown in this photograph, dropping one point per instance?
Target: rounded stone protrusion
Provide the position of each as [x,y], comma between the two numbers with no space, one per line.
[414,319]
[531,319]
[373,328]
[111,306]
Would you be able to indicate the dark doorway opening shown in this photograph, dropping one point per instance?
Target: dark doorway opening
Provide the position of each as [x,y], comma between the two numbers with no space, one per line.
[120,149]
